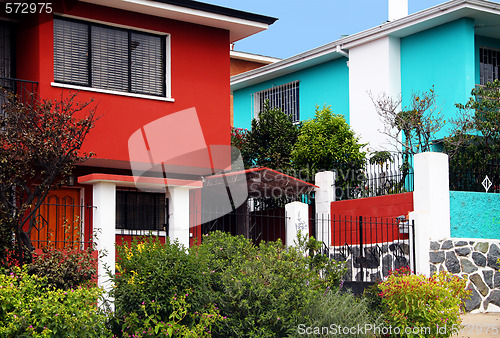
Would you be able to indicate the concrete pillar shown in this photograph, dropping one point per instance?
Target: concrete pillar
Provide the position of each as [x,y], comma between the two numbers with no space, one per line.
[431,201]
[297,220]
[324,197]
[179,214]
[104,199]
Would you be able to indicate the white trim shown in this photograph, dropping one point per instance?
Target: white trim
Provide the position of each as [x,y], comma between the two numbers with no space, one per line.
[127,232]
[112,92]
[112,24]
[252,57]
[168,68]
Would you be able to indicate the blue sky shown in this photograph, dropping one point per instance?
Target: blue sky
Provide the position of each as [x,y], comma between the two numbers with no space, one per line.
[306,24]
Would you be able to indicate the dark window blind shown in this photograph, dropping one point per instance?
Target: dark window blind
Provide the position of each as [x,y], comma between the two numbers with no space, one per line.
[120,60]
[71,52]
[140,210]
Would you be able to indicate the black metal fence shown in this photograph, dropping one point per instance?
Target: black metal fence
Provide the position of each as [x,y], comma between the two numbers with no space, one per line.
[371,247]
[475,174]
[256,220]
[62,226]
[390,174]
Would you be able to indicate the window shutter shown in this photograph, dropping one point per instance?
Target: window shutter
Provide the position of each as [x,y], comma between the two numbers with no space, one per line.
[147,71]
[109,58]
[71,52]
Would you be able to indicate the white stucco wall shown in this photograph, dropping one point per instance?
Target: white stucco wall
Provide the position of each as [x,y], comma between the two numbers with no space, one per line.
[375,68]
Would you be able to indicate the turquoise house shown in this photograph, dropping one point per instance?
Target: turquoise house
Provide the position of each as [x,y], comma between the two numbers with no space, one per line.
[453,47]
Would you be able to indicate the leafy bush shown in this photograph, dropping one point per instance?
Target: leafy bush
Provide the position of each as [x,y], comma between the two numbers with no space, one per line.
[65,269]
[151,271]
[333,311]
[417,301]
[30,307]
[262,290]
[153,325]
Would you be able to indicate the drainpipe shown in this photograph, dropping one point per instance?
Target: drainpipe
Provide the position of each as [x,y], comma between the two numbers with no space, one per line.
[340,51]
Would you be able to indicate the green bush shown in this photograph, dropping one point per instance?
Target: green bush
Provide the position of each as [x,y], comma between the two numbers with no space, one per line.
[335,313]
[65,269]
[262,290]
[153,325]
[30,307]
[415,301]
[150,271]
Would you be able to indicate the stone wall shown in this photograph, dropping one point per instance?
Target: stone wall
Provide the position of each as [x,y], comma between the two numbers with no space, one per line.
[476,261]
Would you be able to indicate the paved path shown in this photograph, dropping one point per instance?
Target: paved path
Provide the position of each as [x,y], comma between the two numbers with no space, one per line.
[480,325]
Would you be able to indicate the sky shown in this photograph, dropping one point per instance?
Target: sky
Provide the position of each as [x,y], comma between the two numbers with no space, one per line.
[306,24]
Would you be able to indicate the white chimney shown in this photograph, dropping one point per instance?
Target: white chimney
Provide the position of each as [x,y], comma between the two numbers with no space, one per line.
[397,9]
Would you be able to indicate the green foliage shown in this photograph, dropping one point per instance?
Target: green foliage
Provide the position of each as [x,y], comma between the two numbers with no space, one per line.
[65,269]
[262,290]
[334,310]
[271,139]
[381,157]
[40,144]
[151,271]
[153,325]
[31,308]
[475,139]
[326,142]
[418,301]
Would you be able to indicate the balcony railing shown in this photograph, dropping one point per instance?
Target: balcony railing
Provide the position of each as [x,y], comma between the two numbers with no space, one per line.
[24,90]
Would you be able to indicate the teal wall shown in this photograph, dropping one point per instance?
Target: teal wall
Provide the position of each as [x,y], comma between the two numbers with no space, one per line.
[474,215]
[326,83]
[443,56]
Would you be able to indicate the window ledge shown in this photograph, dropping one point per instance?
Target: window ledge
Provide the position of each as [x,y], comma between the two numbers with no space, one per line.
[112,92]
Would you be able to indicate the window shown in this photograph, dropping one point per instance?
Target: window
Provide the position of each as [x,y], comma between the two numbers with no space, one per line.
[137,210]
[489,62]
[285,97]
[104,57]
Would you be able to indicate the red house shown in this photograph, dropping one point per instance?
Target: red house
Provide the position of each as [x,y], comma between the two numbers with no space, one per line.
[159,72]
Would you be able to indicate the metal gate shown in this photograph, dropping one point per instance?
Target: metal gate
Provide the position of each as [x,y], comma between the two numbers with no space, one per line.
[371,247]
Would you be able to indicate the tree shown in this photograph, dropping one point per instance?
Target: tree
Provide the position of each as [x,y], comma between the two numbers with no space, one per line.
[271,139]
[326,142]
[474,143]
[415,126]
[40,144]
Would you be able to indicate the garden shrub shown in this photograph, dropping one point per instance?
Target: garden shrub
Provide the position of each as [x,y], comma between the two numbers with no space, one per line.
[150,271]
[153,325]
[416,301]
[334,313]
[65,269]
[30,307]
[262,290]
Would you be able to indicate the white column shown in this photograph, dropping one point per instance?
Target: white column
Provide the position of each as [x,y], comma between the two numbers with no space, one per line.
[104,199]
[431,201]
[324,197]
[297,220]
[179,214]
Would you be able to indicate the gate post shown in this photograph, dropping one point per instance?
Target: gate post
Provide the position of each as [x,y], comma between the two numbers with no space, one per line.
[431,201]
[297,219]
[324,197]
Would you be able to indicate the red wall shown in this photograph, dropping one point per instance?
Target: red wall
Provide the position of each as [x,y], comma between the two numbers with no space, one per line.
[380,211]
[199,77]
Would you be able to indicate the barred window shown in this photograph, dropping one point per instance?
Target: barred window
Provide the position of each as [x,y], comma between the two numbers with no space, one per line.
[136,210]
[285,97]
[489,62]
[105,57]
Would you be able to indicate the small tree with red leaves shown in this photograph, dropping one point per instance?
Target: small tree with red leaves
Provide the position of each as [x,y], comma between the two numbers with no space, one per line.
[40,144]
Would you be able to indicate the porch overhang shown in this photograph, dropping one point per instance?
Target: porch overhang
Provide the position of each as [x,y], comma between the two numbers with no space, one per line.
[139,182]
